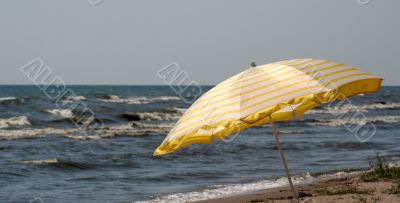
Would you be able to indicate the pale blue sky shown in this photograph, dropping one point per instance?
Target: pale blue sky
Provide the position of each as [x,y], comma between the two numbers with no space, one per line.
[126,42]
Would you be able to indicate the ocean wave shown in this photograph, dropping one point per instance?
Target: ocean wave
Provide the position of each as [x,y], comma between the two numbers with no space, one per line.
[106,96]
[33,133]
[337,110]
[56,163]
[7,98]
[73,99]
[137,128]
[20,134]
[156,127]
[354,108]
[376,105]
[11,100]
[74,116]
[138,100]
[175,110]
[355,121]
[291,132]
[18,121]
[148,116]
[220,191]
[381,105]
[45,161]
[83,137]
[132,129]
[65,113]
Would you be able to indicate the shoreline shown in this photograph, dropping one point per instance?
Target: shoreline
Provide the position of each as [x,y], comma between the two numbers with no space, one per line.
[339,187]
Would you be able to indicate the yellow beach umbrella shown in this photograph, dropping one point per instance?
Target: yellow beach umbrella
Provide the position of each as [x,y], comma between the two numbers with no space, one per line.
[262,94]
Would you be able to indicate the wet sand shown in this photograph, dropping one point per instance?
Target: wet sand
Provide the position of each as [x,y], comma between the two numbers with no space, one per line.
[343,189]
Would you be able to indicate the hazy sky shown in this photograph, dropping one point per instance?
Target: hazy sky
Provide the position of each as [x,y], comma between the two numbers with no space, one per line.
[126,42]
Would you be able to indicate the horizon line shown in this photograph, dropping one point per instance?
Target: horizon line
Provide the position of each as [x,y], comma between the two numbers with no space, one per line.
[135,85]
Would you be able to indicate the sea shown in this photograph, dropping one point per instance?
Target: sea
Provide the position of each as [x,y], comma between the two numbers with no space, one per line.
[45,155]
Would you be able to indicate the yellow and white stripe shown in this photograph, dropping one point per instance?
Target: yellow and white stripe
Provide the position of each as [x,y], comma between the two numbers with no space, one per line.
[283,89]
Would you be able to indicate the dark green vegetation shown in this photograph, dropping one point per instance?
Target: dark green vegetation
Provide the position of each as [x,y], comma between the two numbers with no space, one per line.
[382,172]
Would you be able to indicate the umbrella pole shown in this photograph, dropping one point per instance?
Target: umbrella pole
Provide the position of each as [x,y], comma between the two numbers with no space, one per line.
[279,146]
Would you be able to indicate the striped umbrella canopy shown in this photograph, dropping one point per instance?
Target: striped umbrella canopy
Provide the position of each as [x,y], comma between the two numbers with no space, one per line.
[277,91]
[262,94]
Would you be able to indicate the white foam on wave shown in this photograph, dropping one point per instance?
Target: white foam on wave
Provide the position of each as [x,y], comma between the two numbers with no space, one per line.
[133,129]
[75,98]
[160,116]
[20,134]
[66,113]
[354,108]
[83,137]
[381,106]
[291,132]
[165,98]
[39,162]
[394,164]
[117,99]
[217,191]
[358,121]
[130,129]
[220,191]
[169,114]
[317,111]
[138,100]
[366,107]
[7,98]
[33,133]
[156,127]
[177,110]
[14,122]
[337,110]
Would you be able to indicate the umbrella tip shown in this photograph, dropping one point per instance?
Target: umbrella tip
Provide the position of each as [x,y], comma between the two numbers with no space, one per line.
[253,64]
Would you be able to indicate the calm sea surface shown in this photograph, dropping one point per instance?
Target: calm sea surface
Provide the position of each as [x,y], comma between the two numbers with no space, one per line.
[43,154]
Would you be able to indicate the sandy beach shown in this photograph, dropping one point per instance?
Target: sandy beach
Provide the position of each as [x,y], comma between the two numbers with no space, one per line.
[350,187]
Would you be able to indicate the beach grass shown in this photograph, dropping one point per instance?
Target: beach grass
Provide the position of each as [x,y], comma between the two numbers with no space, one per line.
[343,189]
[381,171]
[395,189]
